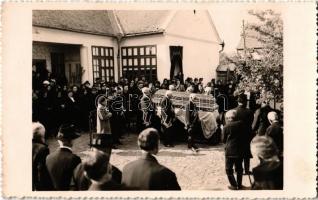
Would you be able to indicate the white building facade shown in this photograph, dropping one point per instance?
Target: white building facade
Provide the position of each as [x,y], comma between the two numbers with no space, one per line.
[154,44]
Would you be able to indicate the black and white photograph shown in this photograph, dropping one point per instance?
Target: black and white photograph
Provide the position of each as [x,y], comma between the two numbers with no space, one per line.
[146,99]
[204,100]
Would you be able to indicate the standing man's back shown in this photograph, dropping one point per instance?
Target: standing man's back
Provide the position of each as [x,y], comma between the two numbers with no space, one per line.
[146,173]
[62,162]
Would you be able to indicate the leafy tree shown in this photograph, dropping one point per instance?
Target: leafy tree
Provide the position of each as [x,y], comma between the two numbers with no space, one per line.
[261,69]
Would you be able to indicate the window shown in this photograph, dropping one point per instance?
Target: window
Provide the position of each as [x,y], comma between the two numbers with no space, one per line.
[103,64]
[140,61]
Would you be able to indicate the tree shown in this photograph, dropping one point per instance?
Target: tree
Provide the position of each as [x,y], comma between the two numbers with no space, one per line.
[263,72]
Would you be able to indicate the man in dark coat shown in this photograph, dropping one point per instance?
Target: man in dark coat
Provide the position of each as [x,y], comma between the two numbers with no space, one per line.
[246,116]
[261,122]
[269,173]
[167,117]
[40,176]
[146,173]
[233,139]
[275,131]
[82,182]
[98,171]
[62,162]
[117,121]
[192,121]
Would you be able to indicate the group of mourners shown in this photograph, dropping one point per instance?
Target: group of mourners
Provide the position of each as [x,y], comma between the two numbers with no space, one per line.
[63,170]
[248,127]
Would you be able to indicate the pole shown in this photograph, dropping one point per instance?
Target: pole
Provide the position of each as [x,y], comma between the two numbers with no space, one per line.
[244,41]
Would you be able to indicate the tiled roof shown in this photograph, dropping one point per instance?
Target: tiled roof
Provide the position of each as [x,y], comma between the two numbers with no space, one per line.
[101,21]
[251,41]
[88,21]
[141,21]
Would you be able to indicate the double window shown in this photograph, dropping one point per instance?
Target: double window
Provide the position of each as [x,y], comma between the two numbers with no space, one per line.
[103,63]
[139,61]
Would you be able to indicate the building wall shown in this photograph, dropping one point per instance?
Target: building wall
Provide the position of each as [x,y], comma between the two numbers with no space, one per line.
[86,41]
[200,59]
[200,41]
[42,51]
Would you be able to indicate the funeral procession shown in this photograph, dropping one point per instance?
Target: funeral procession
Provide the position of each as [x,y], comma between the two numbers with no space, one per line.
[157,100]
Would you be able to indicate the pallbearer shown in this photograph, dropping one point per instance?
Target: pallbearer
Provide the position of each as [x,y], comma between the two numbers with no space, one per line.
[147,107]
[192,120]
[167,118]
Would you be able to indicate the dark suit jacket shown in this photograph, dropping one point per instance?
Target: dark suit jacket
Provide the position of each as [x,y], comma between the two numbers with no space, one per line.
[268,176]
[246,116]
[109,185]
[61,165]
[82,182]
[147,174]
[167,112]
[233,133]
[261,122]
[275,131]
[40,176]
[191,114]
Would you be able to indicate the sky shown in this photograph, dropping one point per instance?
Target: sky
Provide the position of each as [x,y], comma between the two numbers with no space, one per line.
[228,22]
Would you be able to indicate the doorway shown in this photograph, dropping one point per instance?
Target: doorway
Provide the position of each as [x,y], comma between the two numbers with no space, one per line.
[73,73]
[176,70]
[58,68]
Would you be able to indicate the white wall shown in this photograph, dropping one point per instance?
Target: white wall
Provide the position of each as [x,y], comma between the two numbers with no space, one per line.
[200,42]
[198,37]
[40,34]
[200,59]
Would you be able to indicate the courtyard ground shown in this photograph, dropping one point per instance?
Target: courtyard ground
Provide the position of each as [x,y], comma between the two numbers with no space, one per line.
[195,171]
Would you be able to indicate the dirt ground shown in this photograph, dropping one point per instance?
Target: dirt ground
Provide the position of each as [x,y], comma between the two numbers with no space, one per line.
[195,171]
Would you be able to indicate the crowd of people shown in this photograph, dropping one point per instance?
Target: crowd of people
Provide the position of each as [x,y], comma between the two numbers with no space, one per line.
[55,103]
[249,128]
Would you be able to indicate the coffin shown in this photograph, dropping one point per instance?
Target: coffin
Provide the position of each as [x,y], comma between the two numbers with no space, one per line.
[204,102]
[208,109]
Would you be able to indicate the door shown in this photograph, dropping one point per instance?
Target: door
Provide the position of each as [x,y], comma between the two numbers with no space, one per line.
[176,69]
[73,73]
[58,66]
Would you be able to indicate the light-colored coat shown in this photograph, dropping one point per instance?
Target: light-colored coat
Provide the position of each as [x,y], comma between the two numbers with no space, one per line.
[103,117]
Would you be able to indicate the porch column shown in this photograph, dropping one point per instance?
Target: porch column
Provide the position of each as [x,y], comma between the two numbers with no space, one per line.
[85,64]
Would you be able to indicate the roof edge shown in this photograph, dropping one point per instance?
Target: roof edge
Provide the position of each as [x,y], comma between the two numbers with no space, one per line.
[213,26]
[75,31]
[144,33]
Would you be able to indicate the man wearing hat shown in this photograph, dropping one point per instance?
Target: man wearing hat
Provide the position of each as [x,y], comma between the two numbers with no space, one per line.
[146,173]
[268,174]
[62,162]
[246,116]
